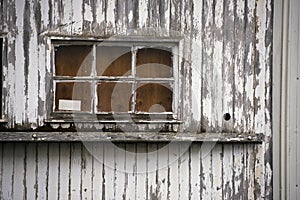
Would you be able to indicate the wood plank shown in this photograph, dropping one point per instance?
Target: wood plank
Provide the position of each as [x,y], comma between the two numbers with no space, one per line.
[195,170]
[228,64]
[153,14]
[19,61]
[121,16]
[64,170]
[141,171]
[42,170]
[174,154]
[75,174]
[196,58]
[259,178]
[228,171]
[239,60]
[19,172]
[217,178]
[217,63]
[52,171]
[260,67]
[239,170]
[100,16]
[207,21]
[109,170]
[7,171]
[152,170]
[131,15]
[175,7]
[206,166]
[97,179]
[77,6]
[250,170]
[31,58]
[165,14]
[249,66]
[120,164]
[162,171]
[86,174]
[130,171]
[143,13]
[30,171]
[184,171]
[1,169]
[110,17]
[88,18]
[130,136]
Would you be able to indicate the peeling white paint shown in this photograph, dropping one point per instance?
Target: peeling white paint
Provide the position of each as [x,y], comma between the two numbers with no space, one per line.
[88,14]
[19,78]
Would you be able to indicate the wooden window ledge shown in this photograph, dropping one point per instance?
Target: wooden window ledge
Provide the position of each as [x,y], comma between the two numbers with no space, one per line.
[129,137]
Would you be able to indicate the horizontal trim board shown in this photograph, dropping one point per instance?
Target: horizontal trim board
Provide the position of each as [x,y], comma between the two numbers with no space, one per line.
[129,136]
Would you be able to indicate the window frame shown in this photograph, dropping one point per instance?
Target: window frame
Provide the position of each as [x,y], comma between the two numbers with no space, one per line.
[134,43]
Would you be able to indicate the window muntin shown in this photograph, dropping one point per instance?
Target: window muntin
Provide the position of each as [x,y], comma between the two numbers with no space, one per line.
[114,78]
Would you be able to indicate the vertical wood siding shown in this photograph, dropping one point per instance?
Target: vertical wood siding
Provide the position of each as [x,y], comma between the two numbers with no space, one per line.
[226,67]
[180,171]
[226,54]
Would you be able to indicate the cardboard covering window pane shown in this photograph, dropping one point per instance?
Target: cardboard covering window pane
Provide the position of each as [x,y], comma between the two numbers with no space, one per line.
[154,97]
[75,60]
[114,97]
[69,95]
[154,63]
[113,61]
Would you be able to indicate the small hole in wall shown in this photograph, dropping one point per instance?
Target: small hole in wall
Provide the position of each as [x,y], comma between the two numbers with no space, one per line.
[226,116]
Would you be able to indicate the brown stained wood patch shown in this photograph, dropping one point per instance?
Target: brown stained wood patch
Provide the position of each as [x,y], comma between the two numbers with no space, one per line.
[113,61]
[74,91]
[153,97]
[114,97]
[75,60]
[154,63]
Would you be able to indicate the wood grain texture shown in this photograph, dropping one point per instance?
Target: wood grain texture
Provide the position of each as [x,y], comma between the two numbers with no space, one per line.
[131,171]
[224,56]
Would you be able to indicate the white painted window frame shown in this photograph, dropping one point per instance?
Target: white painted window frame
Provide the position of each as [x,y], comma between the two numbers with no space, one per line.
[135,43]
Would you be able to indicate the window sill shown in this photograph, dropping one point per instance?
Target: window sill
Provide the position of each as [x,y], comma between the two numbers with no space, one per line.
[129,137]
[3,121]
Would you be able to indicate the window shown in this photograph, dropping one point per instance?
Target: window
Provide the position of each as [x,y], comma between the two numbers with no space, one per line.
[111,79]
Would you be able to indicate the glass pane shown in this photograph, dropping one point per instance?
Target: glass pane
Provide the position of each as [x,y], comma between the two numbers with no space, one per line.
[73,60]
[114,97]
[113,61]
[154,63]
[73,96]
[154,97]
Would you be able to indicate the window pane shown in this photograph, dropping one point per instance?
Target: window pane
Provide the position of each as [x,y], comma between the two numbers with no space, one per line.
[73,60]
[114,97]
[73,96]
[154,63]
[113,61]
[154,97]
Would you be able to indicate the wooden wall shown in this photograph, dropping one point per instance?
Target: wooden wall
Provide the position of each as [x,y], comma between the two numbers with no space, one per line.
[180,171]
[226,68]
